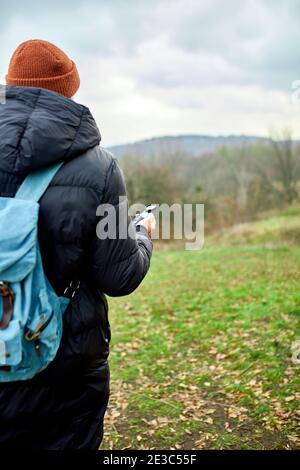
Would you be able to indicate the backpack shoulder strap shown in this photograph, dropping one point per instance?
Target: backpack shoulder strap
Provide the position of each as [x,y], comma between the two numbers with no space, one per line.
[36,183]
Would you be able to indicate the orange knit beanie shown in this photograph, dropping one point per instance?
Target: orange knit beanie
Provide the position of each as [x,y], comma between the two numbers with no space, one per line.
[40,64]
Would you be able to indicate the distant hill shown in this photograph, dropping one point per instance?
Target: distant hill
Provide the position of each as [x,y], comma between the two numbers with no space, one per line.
[195,145]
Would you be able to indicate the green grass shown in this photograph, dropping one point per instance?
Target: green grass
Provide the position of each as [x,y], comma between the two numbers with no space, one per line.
[201,352]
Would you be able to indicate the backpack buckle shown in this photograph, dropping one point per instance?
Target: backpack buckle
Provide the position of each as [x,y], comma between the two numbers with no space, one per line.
[5,290]
[72,287]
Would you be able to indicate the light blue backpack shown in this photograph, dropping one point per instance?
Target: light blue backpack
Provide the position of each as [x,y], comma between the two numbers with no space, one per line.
[30,311]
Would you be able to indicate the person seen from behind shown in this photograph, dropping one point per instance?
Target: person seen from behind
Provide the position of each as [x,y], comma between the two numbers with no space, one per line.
[63,406]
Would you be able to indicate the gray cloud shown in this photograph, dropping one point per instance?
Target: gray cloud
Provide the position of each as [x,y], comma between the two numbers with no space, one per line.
[174,51]
[257,40]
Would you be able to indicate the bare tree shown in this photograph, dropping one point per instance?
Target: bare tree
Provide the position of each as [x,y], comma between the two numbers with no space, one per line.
[284,153]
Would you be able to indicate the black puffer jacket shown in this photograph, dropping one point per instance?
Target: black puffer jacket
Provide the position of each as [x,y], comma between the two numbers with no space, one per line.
[63,406]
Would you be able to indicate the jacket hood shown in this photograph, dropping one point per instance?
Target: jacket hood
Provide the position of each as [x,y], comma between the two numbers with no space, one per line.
[39,127]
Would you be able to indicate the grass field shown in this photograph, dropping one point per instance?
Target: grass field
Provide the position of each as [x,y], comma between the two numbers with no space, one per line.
[201,353]
[273,229]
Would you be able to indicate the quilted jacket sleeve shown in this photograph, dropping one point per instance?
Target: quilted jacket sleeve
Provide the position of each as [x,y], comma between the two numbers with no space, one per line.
[119,263]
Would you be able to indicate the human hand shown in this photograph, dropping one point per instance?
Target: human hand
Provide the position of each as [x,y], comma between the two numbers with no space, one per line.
[149,223]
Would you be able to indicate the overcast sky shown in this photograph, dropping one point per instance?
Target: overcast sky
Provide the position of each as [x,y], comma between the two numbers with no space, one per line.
[157,67]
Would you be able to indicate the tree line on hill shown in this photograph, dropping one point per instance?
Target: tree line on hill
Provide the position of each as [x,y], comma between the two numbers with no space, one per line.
[236,183]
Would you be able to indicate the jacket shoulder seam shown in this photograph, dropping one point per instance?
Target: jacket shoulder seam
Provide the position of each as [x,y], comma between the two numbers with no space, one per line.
[76,133]
[110,169]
